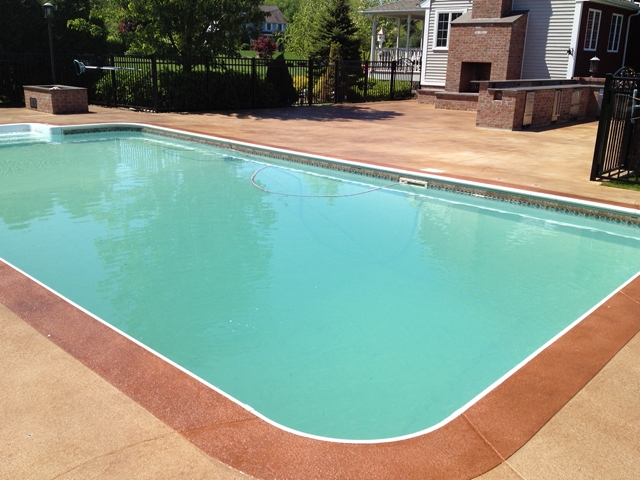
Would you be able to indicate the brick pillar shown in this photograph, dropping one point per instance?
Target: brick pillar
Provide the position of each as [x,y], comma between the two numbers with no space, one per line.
[491,8]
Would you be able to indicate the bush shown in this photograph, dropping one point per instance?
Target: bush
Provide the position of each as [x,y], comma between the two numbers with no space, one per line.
[300,82]
[279,77]
[190,91]
[135,91]
[264,46]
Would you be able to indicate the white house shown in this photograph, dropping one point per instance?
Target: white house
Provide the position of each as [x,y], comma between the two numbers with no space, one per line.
[561,36]
[274,20]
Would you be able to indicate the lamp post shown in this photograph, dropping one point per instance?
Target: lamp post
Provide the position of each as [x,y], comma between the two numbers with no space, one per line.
[48,14]
[593,65]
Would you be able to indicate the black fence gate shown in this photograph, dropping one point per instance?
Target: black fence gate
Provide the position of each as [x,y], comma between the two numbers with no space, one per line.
[617,151]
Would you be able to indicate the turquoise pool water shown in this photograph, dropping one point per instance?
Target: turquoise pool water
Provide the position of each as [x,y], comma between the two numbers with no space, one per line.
[363,317]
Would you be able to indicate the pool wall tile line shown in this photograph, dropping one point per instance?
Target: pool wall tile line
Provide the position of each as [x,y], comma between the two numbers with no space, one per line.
[477,441]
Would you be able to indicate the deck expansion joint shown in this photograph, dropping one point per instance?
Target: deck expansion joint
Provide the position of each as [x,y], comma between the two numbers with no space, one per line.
[484,439]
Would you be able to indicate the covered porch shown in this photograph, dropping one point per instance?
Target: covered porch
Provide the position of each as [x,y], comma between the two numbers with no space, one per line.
[404,11]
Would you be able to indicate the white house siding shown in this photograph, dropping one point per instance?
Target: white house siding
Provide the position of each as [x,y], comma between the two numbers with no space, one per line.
[435,62]
[548,37]
[435,72]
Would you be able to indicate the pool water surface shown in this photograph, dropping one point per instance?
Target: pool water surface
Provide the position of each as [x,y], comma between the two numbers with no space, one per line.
[329,311]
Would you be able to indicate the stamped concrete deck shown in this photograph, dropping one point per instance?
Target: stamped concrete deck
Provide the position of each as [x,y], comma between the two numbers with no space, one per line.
[64,416]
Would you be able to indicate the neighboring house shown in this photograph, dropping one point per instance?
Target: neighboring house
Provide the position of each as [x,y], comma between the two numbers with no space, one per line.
[274,20]
[512,39]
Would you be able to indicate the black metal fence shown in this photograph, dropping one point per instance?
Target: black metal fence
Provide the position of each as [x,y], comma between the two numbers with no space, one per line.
[198,84]
[617,150]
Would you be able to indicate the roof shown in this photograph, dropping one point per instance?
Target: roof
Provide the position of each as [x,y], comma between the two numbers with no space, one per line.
[467,19]
[626,4]
[272,14]
[400,7]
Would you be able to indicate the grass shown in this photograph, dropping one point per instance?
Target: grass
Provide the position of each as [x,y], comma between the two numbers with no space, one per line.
[623,185]
[287,55]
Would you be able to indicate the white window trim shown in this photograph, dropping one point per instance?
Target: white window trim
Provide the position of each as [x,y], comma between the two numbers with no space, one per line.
[596,29]
[436,16]
[617,32]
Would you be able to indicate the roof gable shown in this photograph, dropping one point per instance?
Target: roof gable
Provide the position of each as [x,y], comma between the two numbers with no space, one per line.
[272,14]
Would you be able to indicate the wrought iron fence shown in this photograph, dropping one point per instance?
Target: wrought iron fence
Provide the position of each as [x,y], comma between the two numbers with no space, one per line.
[198,84]
[617,150]
[17,70]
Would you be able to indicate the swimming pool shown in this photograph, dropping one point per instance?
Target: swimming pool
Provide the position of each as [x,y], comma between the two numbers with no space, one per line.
[315,326]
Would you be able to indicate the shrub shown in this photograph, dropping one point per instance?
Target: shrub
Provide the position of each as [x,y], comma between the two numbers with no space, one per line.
[196,90]
[264,47]
[279,77]
[300,82]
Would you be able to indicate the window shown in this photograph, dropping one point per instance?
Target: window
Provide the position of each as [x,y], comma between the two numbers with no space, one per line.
[615,32]
[592,30]
[442,29]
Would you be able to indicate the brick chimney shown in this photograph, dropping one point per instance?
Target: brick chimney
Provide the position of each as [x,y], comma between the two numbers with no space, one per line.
[490,8]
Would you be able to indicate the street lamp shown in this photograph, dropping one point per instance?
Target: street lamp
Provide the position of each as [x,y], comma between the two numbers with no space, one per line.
[48,14]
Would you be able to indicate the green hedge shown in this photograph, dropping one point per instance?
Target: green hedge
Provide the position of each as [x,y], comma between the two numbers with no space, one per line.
[190,91]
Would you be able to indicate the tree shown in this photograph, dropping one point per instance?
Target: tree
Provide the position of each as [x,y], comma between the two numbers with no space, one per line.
[188,27]
[264,47]
[299,33]
[336,27]
[23,28]
[279,76]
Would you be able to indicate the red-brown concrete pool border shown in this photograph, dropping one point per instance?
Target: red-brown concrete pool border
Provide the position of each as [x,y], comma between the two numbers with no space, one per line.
[486,434]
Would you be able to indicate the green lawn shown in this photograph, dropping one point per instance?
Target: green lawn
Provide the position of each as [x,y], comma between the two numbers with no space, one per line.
[624,185]
[287,55]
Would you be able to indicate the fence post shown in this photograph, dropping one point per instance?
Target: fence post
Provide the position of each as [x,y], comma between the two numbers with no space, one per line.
[206,81]
[114,83]
[310,82]
[154,80]
[366,79]
[336,76]
[254,76]
[392,85]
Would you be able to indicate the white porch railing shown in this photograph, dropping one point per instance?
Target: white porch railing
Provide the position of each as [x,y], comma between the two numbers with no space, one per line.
[391,54]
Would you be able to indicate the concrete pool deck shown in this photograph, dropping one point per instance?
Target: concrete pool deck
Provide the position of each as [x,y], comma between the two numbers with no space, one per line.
[61,419]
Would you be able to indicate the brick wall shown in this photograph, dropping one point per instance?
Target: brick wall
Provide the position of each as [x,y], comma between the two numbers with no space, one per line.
[505,109]
[505,113]
[543,108]
[590,102]
[64,100]
[500,44]
[426,97]
[457,101]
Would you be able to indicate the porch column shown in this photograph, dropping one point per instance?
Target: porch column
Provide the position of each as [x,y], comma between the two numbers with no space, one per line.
[372,53]
[408,33]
